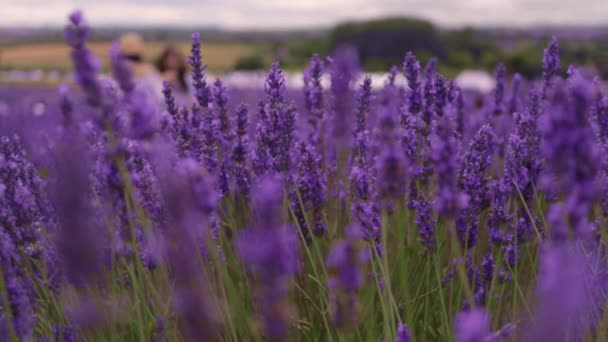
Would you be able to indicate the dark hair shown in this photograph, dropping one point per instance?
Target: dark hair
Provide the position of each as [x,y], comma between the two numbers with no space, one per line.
[161,64]
[134,58]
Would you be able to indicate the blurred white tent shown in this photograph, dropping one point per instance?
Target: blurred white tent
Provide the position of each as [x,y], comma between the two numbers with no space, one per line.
[478,80]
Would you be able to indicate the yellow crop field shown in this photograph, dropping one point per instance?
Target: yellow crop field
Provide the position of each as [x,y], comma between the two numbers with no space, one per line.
[220,56]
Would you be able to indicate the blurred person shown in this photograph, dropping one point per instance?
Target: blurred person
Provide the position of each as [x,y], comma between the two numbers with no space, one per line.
[172,65]
[144,74]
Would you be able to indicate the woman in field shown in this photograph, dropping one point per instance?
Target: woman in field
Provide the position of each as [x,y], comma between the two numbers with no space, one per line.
[172,66]
[145,76]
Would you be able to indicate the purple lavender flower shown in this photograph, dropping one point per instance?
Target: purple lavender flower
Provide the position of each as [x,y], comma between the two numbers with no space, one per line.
[476,161]
[460,115]
[360,132]
[513,103]
[411,70]
[392,76]
[223,179]
[169,99]
[516,158]
[362,181]
[534,103]
[120,69]
[86,65]
[527,129]
[189,136]
[19,302]
[110,186]
[472,326]
[23,206]
[571,71]
[262,160]
[444,156]
[66,104]
[488,267]
[467,229]
[572,155]
[559,226]
[269,250]
[224,127]
[191,200]
[344,69]
[390,162]
[240,152]
[426,223]
[198,72]
[409,139]
[403,333]
[472,181]
[313,91]
[551,65]
[498,217]
[390,92]
[275,128]
[510,249]
[274,85]
[78,239]
[64,334]
[499,92]
[220,103]
[312,187]
[361,177]
[524,228]
[428,111]
[364,98]
[569,293]
[441,95]
[602,119]
[210,143]
[346,257]
[430,69]
[144,120]
[476,281]
[287,123]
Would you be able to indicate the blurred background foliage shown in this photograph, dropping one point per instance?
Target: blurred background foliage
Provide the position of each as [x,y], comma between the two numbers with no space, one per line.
[380,43]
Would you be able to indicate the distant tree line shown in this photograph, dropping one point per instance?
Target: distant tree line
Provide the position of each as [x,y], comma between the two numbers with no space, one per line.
[383,42]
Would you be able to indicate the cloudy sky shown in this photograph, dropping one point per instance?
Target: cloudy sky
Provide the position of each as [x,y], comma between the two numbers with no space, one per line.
[273,14]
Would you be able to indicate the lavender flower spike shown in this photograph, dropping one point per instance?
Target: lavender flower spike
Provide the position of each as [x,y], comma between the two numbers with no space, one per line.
[499,92]
[343,71]
[198,72]
[411,70]
[269,251]
[86,65]
[313,91]
[239,153]
[551,64]
[472,326]
[346,258]
[403,333]
[312,184]
[513,104]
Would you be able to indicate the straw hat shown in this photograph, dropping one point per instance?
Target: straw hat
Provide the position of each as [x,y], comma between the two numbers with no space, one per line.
[132,44]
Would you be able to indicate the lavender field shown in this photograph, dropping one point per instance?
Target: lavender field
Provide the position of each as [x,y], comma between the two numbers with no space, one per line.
[343,211]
